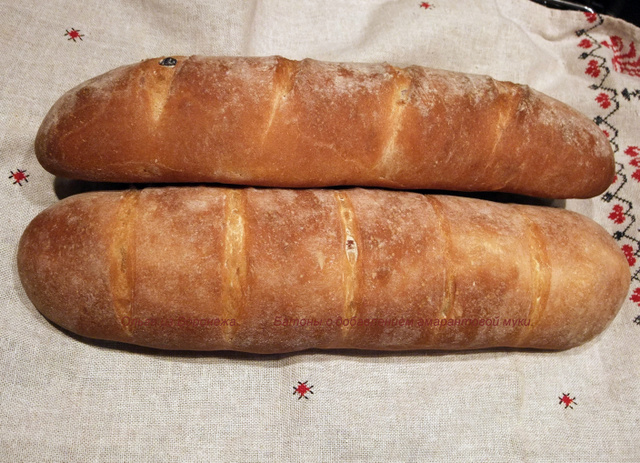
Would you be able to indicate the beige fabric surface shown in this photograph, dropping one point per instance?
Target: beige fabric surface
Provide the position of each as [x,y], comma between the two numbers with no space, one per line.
[63,398]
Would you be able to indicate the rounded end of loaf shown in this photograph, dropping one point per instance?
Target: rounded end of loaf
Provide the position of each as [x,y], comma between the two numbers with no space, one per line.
[46,146]
[464,132]
[63,265]
[568,155]
[583,280]
[63,144]
[104,128]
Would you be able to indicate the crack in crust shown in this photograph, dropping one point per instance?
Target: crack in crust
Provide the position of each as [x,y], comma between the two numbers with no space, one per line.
[507,117]
[235,263]
[403,83]
[122,271]
[351,249]
[161,91]
[284,80]
[540,277]
[448,299]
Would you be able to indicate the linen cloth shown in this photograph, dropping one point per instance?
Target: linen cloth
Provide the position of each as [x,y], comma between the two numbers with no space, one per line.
[64,398]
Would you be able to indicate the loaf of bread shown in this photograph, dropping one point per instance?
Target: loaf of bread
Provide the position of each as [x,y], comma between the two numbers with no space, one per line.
[272,271]
[274,122]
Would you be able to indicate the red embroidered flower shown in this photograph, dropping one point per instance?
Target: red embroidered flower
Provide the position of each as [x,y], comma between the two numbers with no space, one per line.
[627,249]
[603,100]
[635,162]
[617,215]
[592,68]
[632,151]
[635,296]
[624,62]
[591,17]
[585,43]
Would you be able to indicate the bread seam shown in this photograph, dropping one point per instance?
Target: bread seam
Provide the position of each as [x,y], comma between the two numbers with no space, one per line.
[284,80]
[161,96]
[122,260]
[235,263]
[540,277]
[448,299]
[506,118]
[403,83]
[351,254]
[519,104]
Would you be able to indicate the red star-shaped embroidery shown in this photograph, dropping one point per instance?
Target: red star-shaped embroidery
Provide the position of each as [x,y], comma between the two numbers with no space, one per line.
[301,389]
[19,176]
[74,34]
[567,401]
[425,5]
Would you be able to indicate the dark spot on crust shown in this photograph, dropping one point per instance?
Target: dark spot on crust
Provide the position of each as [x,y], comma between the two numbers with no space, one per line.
[168,61]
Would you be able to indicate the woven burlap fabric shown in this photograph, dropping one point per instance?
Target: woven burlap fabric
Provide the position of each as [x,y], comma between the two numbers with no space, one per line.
[63,398]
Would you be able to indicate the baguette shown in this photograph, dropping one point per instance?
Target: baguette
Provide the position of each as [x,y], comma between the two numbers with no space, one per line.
[273,271]
[299,124]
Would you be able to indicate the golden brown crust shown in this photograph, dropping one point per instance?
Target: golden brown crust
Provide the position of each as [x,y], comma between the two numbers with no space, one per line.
[275,122]
[106,264]
[180,271]
[65,260]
